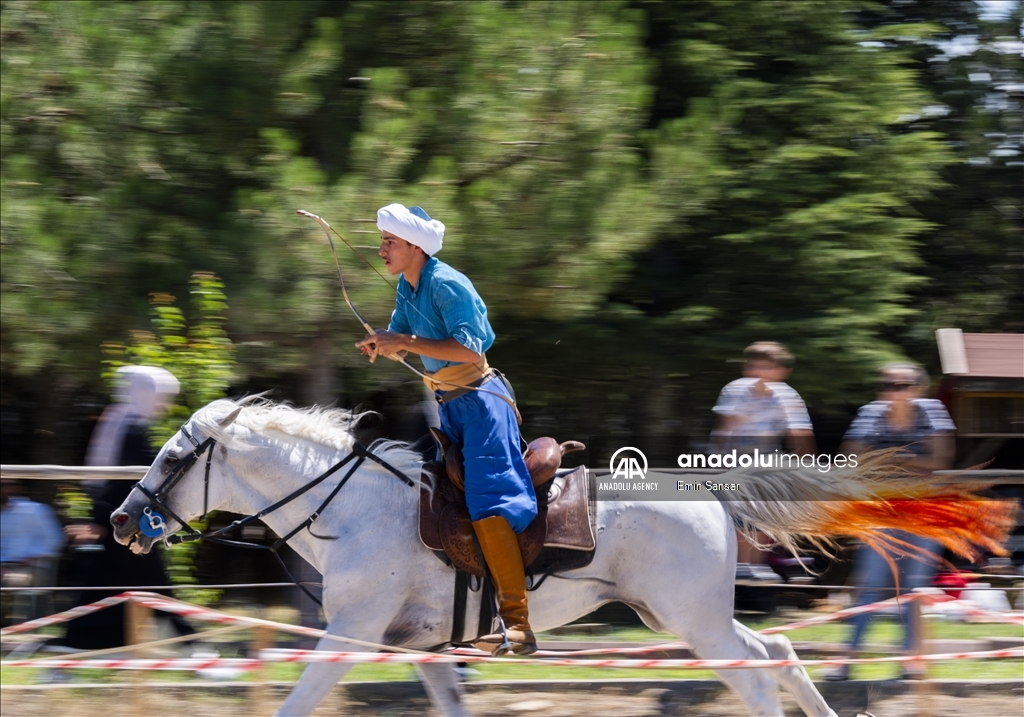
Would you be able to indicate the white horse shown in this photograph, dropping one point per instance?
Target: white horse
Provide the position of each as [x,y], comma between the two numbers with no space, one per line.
[672,562]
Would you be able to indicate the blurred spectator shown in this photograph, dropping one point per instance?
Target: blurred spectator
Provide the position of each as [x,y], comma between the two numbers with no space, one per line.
[121,438]
[900,418]
[30,543]
[761,411]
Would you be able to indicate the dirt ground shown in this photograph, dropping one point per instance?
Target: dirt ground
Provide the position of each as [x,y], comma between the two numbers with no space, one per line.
[198,700]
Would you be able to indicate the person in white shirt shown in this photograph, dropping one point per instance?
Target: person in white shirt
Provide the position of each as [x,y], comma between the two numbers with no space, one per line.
[761,411]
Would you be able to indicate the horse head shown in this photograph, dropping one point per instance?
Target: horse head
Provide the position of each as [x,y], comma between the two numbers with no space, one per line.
[175,489]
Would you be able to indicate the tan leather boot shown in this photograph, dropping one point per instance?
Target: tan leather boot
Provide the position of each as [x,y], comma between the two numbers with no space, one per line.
[505,563]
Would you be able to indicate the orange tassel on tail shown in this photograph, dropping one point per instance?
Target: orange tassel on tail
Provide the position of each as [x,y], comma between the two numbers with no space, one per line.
[867,502]
[966,527]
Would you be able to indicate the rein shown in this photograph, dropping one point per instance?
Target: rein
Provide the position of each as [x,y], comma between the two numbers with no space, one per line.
[156,525]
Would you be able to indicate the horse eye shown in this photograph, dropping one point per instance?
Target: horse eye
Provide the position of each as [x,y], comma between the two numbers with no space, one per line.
[169,462]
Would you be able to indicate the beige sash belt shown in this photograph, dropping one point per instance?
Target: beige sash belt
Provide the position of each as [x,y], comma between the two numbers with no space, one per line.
[460,376]
[463,378]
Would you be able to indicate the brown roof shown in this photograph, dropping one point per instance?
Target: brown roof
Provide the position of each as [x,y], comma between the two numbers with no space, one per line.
[995,355]
[981,355]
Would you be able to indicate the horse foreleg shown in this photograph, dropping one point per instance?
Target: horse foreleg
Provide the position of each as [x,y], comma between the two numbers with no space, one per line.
[316,681]
[443,688]
[795,679]
[755,686]
[714,635]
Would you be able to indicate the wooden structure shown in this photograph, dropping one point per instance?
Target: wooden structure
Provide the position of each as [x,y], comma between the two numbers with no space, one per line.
[983,388]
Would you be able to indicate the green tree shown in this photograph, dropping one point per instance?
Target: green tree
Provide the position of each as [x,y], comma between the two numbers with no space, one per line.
[637,188]
[200,355]
[782,138]
[973,250]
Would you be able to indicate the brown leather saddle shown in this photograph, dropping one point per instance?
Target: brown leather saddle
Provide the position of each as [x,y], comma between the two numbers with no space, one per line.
[565,516]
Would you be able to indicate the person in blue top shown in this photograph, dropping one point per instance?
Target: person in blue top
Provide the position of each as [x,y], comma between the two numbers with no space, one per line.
[921,431]
[440,316]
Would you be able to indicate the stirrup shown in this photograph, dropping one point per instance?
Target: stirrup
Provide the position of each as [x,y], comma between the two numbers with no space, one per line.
[505,646]
[502,649]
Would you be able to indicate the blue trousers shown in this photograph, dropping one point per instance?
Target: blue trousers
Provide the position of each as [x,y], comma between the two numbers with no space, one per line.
[872,571]
[497,481]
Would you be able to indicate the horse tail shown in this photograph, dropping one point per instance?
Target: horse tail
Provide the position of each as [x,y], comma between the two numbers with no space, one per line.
[864,502]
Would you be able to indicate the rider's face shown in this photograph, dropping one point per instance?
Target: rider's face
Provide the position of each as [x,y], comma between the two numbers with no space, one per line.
[398,254]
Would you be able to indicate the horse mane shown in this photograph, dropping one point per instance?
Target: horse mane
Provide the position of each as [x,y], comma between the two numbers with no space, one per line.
[327,427]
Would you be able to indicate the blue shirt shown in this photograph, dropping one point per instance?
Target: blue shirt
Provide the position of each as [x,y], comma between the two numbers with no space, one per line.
[443,305]
[29,530]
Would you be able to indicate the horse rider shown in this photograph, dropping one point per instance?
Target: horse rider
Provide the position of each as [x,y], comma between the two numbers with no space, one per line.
[440,316]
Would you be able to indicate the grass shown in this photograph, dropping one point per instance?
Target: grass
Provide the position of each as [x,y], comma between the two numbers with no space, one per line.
[883,631]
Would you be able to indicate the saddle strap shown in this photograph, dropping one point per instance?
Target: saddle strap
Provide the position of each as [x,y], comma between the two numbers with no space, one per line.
[485,624]
[485,620]
[459,609]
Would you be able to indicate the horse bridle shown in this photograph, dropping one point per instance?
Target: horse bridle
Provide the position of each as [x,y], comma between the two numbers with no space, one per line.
[160,495]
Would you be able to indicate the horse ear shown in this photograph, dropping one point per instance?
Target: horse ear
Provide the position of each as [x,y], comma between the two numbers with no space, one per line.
[230,418]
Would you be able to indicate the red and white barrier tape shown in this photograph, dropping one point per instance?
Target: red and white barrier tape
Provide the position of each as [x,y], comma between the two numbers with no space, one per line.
[377,658]
[179,663]
[66,615]
[547,657]
[1015,618]
[159,602]
[320,656]
[851,611]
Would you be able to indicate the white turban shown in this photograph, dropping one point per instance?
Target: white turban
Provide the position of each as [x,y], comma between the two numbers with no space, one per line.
[414,225]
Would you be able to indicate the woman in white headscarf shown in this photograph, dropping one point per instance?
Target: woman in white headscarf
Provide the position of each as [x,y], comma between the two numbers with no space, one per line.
[121,438]
[141,395]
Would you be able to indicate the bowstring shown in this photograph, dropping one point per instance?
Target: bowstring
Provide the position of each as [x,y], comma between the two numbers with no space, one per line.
[365,260]
[384,279]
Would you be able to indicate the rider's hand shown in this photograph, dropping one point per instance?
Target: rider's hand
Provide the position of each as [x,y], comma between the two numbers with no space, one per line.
[383,343]
[390,344]
[368,345]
